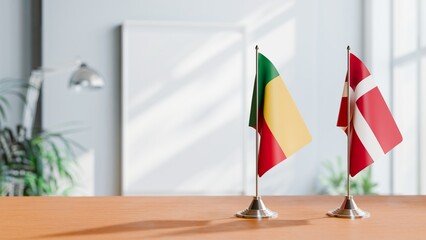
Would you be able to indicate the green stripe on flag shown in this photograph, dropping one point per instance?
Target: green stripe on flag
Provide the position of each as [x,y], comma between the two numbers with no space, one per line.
[267,72]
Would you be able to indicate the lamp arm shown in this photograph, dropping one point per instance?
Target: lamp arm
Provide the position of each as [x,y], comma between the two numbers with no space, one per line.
[32,96]
[48,71]
[33,93]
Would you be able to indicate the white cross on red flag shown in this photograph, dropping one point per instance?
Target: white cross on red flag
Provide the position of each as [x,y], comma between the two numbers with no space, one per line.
[373,129]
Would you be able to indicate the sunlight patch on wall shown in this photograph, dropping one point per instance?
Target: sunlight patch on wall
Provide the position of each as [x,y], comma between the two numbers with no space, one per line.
[265,13]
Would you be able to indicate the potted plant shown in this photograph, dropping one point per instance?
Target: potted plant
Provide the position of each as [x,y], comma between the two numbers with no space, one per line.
[40,164]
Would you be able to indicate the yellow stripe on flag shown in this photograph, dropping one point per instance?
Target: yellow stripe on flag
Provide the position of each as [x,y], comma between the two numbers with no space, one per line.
[283,118]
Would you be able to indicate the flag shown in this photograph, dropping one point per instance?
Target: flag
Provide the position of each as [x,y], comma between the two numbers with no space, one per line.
[281,127]
[373,129]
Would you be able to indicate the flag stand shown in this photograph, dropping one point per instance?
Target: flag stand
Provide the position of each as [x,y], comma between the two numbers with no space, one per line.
[257,208]
[348,209]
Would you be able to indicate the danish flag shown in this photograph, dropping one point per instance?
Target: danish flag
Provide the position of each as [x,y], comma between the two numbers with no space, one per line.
[373,129]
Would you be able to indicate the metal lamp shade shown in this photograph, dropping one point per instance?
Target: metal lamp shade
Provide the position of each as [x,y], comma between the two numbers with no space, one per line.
[86,77]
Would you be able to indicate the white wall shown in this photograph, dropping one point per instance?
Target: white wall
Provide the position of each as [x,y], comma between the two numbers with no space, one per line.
[15,47]
[305,39]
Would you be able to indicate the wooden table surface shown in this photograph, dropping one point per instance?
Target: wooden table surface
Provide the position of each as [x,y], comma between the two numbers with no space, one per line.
[300,217]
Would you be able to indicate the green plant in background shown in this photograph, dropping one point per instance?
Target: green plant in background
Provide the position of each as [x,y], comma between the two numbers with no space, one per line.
[335,178]
[41,165]
[38,165]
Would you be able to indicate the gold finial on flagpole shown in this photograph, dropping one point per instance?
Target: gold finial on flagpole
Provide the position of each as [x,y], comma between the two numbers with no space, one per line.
[257,208]
[348,209]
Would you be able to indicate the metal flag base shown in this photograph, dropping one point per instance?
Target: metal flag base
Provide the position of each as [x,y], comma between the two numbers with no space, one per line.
[349,209]
[257,209]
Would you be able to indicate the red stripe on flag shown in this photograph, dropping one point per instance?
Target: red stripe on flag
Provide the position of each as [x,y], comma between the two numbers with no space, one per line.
[360,158]
[270,152]
[378,116]
[358,71]
[342,120]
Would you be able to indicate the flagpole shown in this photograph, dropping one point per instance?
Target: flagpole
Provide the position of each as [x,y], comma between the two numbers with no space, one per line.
[349,121]
[348,209]
[257,122]
[257,208]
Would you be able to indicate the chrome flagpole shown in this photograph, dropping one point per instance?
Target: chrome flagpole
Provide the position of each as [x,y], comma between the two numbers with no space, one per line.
[257,208]
[257,121]
[348,209]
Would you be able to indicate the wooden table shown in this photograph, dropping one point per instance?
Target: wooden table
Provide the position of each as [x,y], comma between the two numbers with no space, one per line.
[300,217]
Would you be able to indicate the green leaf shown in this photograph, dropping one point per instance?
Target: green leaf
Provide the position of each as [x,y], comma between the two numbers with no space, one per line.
[30,181]
[4,101]
[3,114]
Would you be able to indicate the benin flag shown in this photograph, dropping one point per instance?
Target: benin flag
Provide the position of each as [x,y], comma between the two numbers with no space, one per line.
[281,127]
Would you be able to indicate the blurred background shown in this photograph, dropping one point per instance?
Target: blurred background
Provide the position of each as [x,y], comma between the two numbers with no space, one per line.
[172,116]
